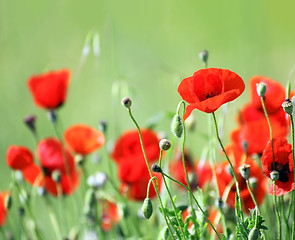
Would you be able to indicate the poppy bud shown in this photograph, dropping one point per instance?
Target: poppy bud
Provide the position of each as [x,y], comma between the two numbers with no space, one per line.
[147,208]
[245,171]
[30,122]
[126,101]
[287,106]
[176,126]
[253,234]
[21,211]
[52,116]
[165,144]
[8,201]
[165,233]
[204,55]
[102,126]
[274,175]
[261,89]
[156,168]
[56,176]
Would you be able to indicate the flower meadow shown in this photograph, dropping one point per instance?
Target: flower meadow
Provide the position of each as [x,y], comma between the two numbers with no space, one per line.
[146,184]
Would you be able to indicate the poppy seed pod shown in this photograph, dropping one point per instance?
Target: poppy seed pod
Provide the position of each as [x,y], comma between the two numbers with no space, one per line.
[56,176]
[30,122]
[204,55]
[274,175]
[147,208]
[245,171]
[164,144]
[288,106]
[253,234]
[126,101]
[156,168]
[177,126]
[261,89]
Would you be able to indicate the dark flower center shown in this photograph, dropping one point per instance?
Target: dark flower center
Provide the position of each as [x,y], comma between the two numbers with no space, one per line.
[283,171]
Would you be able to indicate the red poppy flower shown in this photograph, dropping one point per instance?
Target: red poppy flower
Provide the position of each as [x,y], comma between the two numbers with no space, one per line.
[209,88]
[3,210]
[83,139]
[110,215]
[203,173]
[282,162]
[19,157]
[49,90]
[53,156]
[273,88]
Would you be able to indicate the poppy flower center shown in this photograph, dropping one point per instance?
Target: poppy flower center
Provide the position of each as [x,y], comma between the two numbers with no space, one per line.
[283,171]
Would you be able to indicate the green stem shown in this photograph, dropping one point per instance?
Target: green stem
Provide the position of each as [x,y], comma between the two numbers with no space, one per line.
[293,155]
[252,196]
[2,233]
[231,166]
[150,172]
[53,220]
[277,211]
[196,201]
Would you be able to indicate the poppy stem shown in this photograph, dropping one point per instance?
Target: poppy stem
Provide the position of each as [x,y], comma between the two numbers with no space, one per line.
[231,166]
[252,195]
[277,211]
[270,128]
[196,201]
[151,175]
[293,156]
[171,199]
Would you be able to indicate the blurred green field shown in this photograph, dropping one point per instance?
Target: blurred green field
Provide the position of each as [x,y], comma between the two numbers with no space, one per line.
[147,45]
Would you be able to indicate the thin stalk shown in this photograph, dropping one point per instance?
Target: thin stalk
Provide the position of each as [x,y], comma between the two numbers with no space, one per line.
[184,163]
[196,201]
[53,220]
[277,211]
[293,155]
[150,172]
[230,164]
[252,196]
[171,199]
[2,233]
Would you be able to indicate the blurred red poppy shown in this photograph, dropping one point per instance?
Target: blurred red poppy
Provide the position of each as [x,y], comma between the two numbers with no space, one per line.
[18,157]
[110,215]
[209,88]
[3,210]
[83,139]
[282,162]
[132,169]
[225,180]
[49,90]
[203,173]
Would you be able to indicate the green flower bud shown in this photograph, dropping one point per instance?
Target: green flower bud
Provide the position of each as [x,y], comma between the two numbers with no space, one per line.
[274,175]
[165,233]
[176,126]
[8,201]
[261,89]
[165,144]
[156,168]
[147,208]
[254,234]
[204,55]
[245,171]
[56,176]
[126,101]
[89,201]
[288,106]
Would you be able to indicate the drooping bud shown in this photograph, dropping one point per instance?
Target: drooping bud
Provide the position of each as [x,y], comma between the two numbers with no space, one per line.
[102,126]
[52,116]
[287,106]
[147,208]
[8,201]
[253,234]
[30,122]
[177,126]
[204,55]
[126,101]
[156,168]
[165,144]
[56,176]
[245,171]
[261,89]
[274,175]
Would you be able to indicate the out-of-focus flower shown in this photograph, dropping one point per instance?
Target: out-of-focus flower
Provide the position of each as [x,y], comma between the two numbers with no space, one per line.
[83,139]
[18,157]
[110,215]
[203,173]
[3,210]
[209,88]
[49,90]
[282,162]
[132,169]
[225,180]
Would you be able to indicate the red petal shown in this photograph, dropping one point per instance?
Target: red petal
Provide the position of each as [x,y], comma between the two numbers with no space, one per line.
[19,157]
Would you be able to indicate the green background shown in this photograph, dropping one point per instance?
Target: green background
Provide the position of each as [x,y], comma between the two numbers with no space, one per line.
[148,46]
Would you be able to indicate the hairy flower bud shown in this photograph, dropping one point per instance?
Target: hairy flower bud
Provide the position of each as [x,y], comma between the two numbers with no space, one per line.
[253,234]
[126,101]
[147,208]
[165,144]
[177,126]
[261,89]
[288,106]
[165,233]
